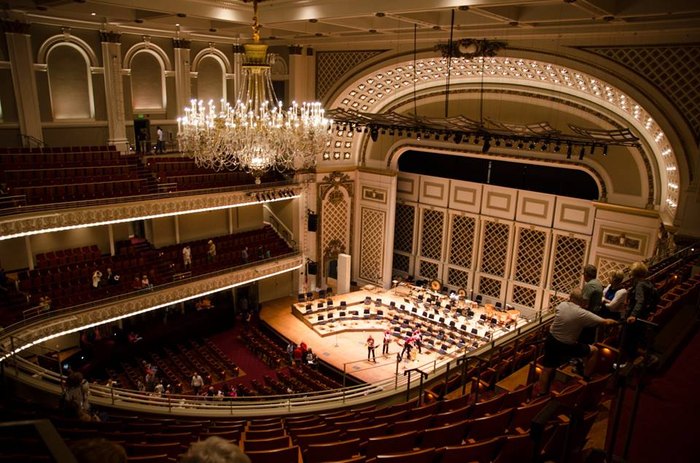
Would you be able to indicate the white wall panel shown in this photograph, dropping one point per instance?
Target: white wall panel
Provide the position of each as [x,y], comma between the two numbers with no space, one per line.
[575,215]
[535,208]
[434,191]
[499,202]
[465,196]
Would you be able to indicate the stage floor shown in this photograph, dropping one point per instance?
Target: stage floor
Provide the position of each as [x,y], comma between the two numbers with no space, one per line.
[341,341]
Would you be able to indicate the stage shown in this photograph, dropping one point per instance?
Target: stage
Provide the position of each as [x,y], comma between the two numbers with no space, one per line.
[336,328]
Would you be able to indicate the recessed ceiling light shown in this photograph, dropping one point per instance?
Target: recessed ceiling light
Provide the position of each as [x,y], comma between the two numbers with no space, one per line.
[463,7]
[181,15]
[93,14]
[313,20]
[380,14]
[138,20]
[177,24]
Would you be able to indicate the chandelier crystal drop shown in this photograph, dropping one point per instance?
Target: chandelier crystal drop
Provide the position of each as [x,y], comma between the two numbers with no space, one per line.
[257,134]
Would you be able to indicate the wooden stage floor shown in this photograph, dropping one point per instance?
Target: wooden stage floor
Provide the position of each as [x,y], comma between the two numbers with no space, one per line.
[346,351]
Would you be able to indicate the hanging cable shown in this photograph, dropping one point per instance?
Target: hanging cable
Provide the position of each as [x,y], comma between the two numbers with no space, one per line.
[415,32]
[449,65]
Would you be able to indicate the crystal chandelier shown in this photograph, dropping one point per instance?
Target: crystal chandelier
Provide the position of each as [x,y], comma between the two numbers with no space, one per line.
[256,134]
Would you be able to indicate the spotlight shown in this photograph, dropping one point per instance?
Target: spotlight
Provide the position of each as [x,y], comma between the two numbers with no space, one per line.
[605,150]
[557,147]
[520,145]
[509,143]
[458,138]
[487,145]
[544,146]
[581,153]
[498,142]
[569,150]
[531,145]
[374,134]
[445,137]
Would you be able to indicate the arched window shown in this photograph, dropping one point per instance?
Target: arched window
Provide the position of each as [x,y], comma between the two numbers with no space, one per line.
[70,82]
[211,81]
[147,82]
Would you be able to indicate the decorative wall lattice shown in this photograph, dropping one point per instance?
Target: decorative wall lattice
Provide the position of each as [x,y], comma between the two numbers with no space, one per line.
[489,287]
[335,220]
[330,66]
[462,241]
[524,296]
[556,298]
[428,270]
[607,265]
[458,278]
[372,244]
[530,256]
[569,255]
[402,263]
[403,227]
[431,234]
[674,70]
[495,248]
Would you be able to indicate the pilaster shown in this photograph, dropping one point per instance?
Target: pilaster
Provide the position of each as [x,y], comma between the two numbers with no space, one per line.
[19,45]
[183,88]
[114,89]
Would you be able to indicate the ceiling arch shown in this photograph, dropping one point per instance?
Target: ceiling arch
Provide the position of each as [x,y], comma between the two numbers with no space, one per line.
[382,86]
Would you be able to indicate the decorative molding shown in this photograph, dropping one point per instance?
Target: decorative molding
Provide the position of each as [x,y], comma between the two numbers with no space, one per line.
[330,67]
[125,212]
[148,300]
[374,194]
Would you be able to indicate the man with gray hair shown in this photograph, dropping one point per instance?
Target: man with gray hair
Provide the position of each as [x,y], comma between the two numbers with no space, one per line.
[562,342]
[214,450]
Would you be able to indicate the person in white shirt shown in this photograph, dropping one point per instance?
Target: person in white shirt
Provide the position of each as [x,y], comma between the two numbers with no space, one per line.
[160,144]
[187,257]
[96,278]
[614,297]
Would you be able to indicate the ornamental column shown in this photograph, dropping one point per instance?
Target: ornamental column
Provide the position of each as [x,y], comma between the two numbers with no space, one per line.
[19,46]
[302,82]
[183,87]
[114,90]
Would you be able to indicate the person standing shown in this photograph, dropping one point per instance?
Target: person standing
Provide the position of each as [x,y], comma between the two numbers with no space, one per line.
[159,142]
[385,342]
[614,297]
[370,349]
[563,340]
[96,279]
[211,251]
[187,257]
[197,383]
[592,300]
[244,255]
[642,301]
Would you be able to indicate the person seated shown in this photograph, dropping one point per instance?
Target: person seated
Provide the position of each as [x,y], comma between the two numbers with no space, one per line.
[214,449]
[145,282]
[204,304]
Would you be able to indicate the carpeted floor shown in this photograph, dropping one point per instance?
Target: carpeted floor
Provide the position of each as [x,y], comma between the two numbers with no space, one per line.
[231,343]
[666,425]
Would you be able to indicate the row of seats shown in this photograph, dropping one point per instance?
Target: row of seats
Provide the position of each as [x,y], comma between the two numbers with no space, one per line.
[82,191]
[62,257]
[63,159]
[59,149]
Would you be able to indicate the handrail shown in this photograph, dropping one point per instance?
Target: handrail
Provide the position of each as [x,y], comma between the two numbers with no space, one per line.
[54,313]
[137,198]
[31,140]
[180,404]
[279,226]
